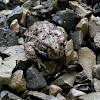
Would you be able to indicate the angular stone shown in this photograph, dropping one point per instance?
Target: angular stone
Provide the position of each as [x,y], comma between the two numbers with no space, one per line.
[77,38]
[7,37]
[6,12]
[96,71]
[87,59]
[3,21]
[17,81]
[66,80]
[60,97]
[97,40]
[39,95]
[6,95]
[74,60]
[96,83]
[94,26]
[6,68]
[74,94]
[51,97]
[91,96]
[83,26]
[16,14]
[54,90]
[69,51]
[14,26]
[34,79]
[81,11]
[21,41]
[98,59]
[66,18]
[12,50]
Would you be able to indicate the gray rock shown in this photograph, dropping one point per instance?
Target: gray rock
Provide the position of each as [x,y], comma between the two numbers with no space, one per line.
[6,95]
[7,37]
[74,94]
[87,59]
[6,68]
[66,80]
[60,97]
[5,12]
[77,38]
[96,83]
[97,39]
[54,90]
[39,95]
[81,11]
[66,18]
[96,71]
[91,96]
[51,97]
[17,81]
[3,21]
[94,26]
[21,41]
[12,50]
[34,79]
[83,26]
[98,59]
[16,14]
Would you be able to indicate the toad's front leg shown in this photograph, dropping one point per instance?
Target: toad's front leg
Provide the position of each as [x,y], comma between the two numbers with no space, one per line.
[31,55]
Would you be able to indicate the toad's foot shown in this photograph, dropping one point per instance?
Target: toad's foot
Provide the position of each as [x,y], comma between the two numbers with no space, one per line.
[39,63]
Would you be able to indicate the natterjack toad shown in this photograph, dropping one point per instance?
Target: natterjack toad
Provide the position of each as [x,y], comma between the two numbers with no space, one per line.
[46,39]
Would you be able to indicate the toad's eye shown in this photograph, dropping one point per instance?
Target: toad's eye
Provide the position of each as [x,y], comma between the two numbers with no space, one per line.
[43,47]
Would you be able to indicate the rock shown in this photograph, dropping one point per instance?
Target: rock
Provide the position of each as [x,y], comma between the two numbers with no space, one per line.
[1,59]
[81,76]
[94,26]
[74,60]
[5,12]
[91,96]
[52,68]
[12,50]
[87,59]
[3,21]
[16,14]
[60,97]
[74,94]
[38,95]
[5,75]
[50,97]
[18,56]
[63,4]
[96,83]
[34,79]
[21,31]
[17,81]
[54,90]
[97,9]
[98,59]
[7,37]
[21,41]
[81,11]
[2,6]
[66,80]
[96,71]
[83,26]
[6,95]
[66,18]
[97,40]
[77,38]
[69,51]
[3,93]
[31,19]
[14,26]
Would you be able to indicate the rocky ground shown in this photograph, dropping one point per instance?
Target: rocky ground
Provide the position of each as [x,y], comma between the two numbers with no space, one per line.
[78,78]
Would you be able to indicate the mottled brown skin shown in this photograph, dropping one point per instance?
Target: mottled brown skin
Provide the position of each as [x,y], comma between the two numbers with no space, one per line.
[46,39]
